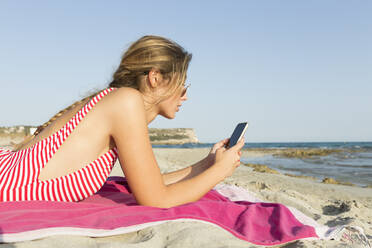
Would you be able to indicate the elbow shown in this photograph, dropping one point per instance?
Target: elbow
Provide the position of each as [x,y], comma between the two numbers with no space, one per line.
[160,203]
[158,200]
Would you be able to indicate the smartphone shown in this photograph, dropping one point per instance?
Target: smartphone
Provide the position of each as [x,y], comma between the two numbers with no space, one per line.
[237,134]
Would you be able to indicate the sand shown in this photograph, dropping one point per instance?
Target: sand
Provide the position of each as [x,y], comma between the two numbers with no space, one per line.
[329,204]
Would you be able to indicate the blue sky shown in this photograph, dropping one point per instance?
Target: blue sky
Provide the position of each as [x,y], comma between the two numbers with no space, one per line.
[295,70]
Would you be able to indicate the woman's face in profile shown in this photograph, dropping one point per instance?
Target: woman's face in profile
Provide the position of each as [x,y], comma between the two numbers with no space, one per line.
[171,105]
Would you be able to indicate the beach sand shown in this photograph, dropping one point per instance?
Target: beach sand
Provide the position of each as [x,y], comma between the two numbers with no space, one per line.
[329,204]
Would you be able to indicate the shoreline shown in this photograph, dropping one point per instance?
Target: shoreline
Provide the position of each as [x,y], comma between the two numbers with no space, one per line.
[310,162]
[328,204]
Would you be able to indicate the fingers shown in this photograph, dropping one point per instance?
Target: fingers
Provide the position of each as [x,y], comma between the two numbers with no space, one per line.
[224,140]
[221,149]
[239,145]
[237,164]
[221,143]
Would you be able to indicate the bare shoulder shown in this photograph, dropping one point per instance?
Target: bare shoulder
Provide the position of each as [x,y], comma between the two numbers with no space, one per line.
[124,97]
[127,92]
[124,106]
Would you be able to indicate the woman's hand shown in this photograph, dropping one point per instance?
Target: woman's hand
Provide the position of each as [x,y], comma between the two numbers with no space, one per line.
[228,159]
[211,158]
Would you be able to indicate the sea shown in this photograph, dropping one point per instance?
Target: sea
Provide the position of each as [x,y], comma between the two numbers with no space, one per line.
[353,164]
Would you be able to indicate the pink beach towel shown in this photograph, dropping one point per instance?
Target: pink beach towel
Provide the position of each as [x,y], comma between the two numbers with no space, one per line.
[113,210]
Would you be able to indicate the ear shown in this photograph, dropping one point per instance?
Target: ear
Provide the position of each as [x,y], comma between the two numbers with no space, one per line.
[154,77]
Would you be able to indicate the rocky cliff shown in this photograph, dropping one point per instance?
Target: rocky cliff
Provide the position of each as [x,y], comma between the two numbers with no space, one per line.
[13,135]
[172,136]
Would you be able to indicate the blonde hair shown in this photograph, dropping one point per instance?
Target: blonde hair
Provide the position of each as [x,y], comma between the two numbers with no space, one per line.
[147,53]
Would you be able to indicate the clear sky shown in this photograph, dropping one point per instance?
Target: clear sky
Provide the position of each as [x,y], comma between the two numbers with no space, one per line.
[295,70]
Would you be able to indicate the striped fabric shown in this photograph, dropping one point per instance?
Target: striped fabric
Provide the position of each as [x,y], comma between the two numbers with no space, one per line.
[19,171]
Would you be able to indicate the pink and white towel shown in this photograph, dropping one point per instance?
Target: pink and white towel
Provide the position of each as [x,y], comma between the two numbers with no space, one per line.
[113,210]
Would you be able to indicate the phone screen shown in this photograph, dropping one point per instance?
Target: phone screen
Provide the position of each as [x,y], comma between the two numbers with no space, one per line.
[237,134]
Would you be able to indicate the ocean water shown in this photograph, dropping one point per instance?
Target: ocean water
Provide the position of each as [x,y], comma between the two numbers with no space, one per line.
[353,164]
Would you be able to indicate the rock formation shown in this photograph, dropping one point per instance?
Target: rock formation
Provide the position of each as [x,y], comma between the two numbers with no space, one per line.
[172,136]
[15,134]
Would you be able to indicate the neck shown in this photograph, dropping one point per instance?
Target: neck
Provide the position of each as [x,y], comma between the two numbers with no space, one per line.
[150,109]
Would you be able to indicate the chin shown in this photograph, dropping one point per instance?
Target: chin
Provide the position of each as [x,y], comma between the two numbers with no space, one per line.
[169,116]
[172,116]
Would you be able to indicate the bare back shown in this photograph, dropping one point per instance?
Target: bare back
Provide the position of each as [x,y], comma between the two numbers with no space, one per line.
[118,120]
[87,142]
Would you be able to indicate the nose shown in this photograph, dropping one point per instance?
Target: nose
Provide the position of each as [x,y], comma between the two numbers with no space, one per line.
[184,97]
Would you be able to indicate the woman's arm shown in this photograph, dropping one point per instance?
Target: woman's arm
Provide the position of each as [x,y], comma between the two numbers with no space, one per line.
[193,188]
[195,169]
[129,130]
[186,173]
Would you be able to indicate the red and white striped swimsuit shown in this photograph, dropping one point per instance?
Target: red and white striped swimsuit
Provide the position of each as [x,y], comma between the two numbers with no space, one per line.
[19,170]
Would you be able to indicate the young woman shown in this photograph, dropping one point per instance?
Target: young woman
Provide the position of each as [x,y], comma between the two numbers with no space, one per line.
[70,157]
